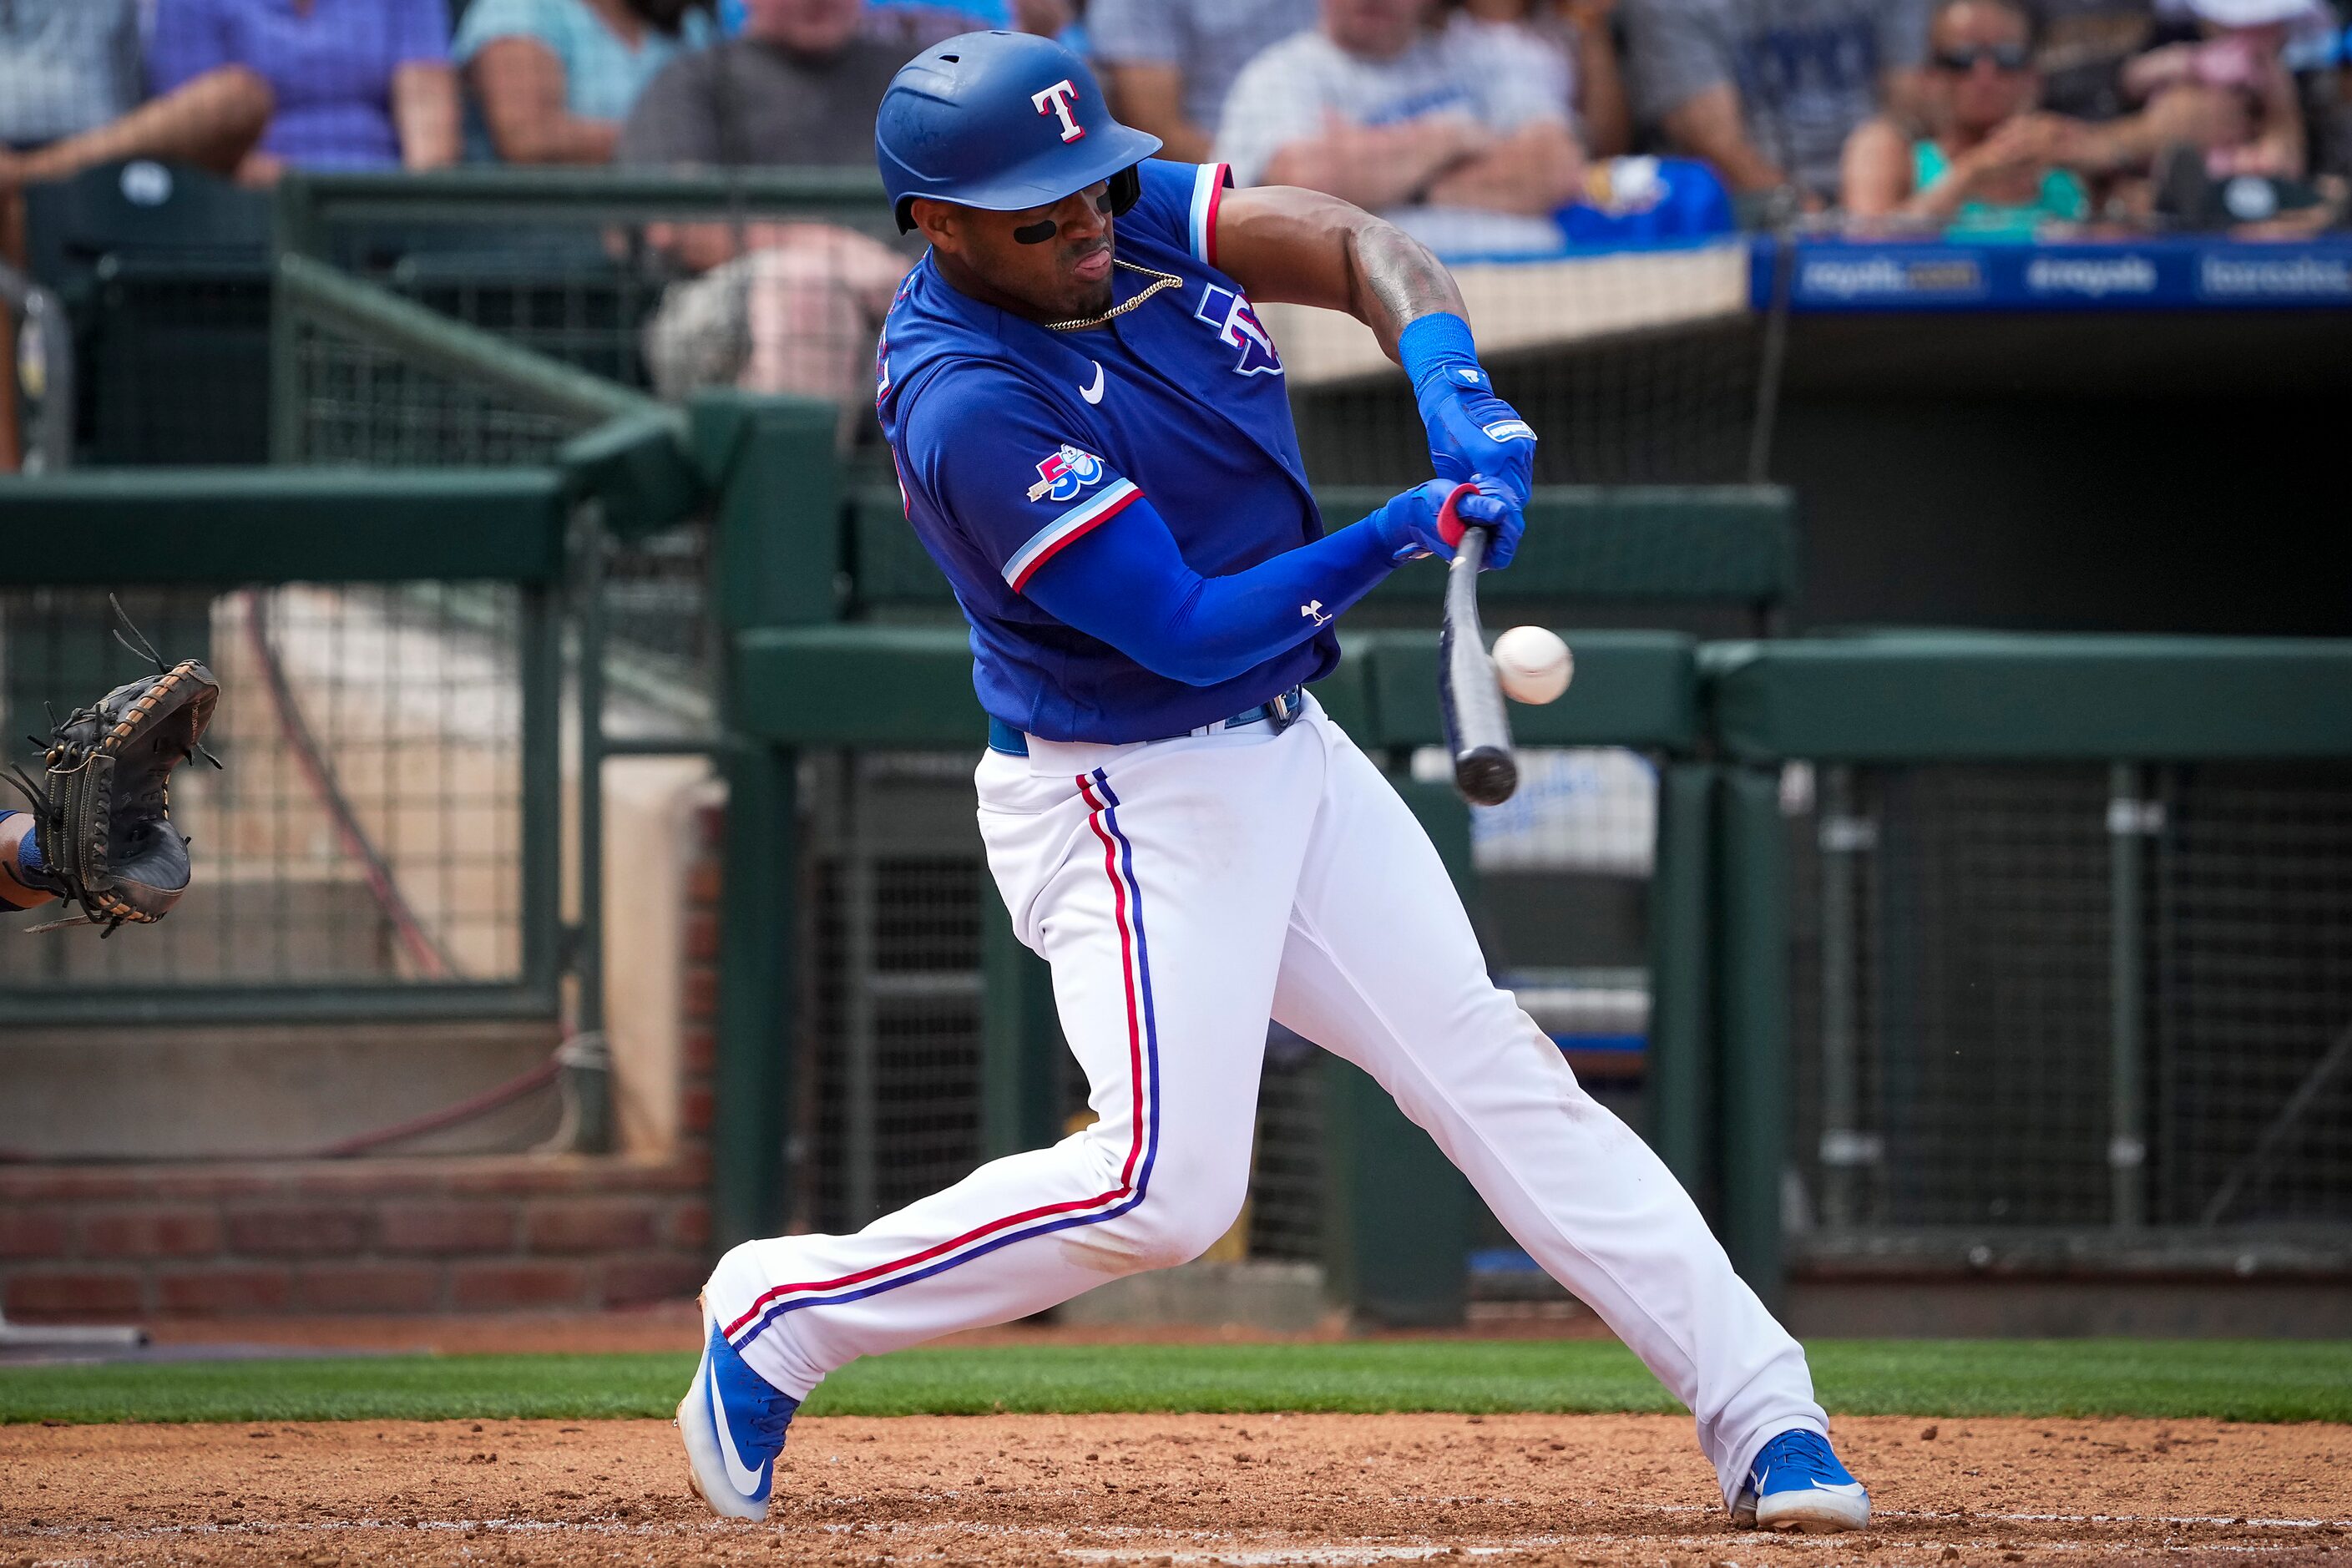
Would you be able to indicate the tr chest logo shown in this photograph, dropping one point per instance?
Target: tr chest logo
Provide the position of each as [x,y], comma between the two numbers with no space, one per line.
[1237,326]
[1062,476]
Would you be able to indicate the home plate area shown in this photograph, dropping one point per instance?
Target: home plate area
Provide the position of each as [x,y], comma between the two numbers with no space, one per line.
[1116,1489]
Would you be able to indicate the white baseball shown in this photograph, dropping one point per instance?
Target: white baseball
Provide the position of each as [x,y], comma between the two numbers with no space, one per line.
[1533,664]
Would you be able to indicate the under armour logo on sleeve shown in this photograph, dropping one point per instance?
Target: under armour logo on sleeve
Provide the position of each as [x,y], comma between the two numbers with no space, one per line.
[1056,101]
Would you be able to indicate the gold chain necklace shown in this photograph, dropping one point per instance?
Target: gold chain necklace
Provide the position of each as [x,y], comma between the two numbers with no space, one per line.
[1159,281]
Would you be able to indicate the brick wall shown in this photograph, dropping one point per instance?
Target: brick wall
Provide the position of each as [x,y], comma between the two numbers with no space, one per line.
[490,1233]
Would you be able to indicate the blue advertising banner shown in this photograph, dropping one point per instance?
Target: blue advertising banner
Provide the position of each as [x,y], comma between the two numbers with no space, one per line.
[1839,275]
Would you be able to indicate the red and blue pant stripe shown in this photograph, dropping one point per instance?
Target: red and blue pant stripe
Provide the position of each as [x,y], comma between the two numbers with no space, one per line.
[1135,1173]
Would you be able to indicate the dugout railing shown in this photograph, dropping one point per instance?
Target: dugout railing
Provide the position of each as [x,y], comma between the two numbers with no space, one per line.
[2035,958]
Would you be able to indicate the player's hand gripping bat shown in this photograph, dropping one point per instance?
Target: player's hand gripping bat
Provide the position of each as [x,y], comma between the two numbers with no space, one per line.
[1477,730]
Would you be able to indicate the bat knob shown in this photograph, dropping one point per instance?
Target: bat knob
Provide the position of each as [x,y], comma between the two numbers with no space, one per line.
[1487,775]
[1450,525]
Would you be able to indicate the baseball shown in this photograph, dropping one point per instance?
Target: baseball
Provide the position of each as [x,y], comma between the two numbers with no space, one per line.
[1533,664]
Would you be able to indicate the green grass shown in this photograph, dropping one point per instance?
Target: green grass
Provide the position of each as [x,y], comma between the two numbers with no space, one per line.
[2235,1380]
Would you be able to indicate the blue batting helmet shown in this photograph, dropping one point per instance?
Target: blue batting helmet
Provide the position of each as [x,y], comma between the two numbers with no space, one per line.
[1001,121]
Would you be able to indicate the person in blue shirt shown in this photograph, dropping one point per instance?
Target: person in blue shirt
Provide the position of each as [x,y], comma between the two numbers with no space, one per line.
[1091,430]
[555,78]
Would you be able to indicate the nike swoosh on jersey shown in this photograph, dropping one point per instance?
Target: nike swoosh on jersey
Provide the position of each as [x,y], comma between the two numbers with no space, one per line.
[745,1480]
[1094,394]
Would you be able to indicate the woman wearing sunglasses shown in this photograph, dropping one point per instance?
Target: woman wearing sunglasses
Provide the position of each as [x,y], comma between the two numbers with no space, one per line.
[1993,167]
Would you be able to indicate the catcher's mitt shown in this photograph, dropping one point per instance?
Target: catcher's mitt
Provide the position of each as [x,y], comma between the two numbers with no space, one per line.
[103,807]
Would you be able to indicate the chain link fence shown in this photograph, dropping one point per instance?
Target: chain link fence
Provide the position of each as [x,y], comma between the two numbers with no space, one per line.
[2110,1003]
[362,403]
[366,823]
[351,399]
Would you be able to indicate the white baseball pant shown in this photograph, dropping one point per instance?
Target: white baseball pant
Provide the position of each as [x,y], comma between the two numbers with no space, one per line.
[1184,891]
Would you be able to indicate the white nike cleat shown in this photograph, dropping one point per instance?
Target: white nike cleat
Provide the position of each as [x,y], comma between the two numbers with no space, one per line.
[1798,1484]
[733,1422]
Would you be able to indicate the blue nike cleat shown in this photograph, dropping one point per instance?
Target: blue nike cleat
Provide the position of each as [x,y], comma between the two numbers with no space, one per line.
[1798,1484]
[733,1422]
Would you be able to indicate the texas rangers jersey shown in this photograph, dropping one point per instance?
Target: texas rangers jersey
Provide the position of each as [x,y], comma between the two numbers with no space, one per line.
[1013,441]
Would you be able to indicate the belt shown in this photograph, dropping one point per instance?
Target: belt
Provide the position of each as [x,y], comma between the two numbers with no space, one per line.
[1282,713]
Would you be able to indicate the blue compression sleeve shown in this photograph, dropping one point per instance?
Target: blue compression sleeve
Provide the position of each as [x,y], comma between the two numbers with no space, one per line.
[1432,348]
[1127,583]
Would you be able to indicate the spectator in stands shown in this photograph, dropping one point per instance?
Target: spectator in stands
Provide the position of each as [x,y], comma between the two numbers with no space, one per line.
[1458,133]
[1047,18]
[70,89]
[358,84]
[918,23]
[2237,70]
[2081,48]
[555,78]
[774,306]
[1583,33]
[1991,166]
[2259,177]
[1169,64]
[913,25]
[1769,90]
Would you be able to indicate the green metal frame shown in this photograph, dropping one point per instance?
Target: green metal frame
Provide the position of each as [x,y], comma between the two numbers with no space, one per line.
[752,1080]
[1898,698]
[1680,1067]
[1753,947]
[310,205]
[223,529]
[1930,697]
[275,525]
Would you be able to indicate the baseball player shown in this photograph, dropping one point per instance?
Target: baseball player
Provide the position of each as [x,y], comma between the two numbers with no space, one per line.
[1094,440]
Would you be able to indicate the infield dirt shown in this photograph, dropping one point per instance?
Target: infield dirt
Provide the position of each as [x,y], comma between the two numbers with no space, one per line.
[1145,1489]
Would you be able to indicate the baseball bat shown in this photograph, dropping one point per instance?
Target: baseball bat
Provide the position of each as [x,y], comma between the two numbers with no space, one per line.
[1470,698]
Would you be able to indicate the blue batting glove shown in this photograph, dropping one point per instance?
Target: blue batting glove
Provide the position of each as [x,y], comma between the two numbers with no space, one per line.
[1471,432]
[1474,433]
[1491,506]
[1415,523]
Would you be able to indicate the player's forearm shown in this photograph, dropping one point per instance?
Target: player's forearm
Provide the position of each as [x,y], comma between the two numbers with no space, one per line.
[1393,280]
[1226,626]
[1128,584]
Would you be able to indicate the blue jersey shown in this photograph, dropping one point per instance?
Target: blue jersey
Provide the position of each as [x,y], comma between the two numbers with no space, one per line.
[1013,441]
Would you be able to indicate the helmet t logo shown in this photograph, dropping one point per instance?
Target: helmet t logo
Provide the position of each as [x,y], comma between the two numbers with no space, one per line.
[1056,101]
